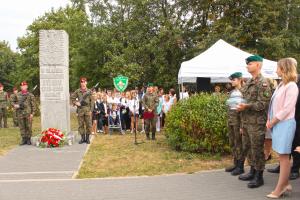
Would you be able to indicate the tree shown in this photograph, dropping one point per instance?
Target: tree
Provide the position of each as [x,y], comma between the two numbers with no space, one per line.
[8,63]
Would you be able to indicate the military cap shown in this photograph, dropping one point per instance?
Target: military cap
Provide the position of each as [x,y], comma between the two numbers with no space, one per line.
[254,58]
[150,84]
[83,79]
[23,83]
[235,75]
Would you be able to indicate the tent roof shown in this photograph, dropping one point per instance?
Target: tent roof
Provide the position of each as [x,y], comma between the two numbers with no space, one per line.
[219,62]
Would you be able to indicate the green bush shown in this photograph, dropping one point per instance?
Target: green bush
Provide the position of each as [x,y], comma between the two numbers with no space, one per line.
[198,124]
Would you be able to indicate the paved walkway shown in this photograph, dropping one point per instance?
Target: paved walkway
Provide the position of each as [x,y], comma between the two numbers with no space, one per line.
[30,162]
[31,173]
[216,185]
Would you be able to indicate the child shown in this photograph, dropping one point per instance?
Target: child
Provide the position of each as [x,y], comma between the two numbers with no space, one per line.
[114,117]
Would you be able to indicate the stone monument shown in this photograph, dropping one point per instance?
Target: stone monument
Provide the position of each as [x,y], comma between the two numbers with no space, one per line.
[54,79]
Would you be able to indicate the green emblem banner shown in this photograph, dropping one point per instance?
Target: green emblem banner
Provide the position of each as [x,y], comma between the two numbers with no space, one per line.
[121,83]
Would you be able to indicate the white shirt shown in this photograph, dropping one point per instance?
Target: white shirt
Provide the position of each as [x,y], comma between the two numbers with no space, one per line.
[131,104]
[166,106]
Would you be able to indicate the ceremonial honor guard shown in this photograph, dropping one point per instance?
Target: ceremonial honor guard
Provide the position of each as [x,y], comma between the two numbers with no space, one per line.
[150,103]
[12,96]
[3,106]
[24,103]
[257,92]
[234,125]
[83,100]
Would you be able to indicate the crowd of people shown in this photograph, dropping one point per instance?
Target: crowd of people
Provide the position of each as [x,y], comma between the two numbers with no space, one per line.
[111,109]
[261,116]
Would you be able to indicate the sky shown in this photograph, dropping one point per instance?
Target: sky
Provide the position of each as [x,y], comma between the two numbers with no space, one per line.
[16,15]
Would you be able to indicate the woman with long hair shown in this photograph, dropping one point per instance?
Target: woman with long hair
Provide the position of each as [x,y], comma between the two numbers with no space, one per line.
[281,122]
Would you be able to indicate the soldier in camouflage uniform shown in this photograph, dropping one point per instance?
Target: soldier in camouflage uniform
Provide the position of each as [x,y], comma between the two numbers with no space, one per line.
[257,92]
[15,117]
[83,100]
[24,103]
[150,103]
[3,107]
[234,125]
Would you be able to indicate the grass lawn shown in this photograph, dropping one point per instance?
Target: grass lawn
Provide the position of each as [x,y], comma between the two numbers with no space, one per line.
[10,137]
[115,156]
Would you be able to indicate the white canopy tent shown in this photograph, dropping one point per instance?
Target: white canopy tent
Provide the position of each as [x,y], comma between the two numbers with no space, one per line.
[219,62]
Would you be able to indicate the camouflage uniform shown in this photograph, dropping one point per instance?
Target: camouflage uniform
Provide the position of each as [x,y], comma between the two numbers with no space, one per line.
[235,138]
[83,113]
[15,117]
[24,112]
[3,109]
[257,92]
[150,101]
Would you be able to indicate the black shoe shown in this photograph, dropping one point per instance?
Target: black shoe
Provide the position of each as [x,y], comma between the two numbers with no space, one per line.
[239,169]
[294,175]
[87,138]
[23,142]
[275,170]
[231,168]
[258,180]
[249,176]
[82,139]
[28,142]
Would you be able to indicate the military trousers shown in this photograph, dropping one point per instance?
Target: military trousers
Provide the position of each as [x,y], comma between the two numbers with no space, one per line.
[150,124]
[25,125]
[3,117]
[235,142]
[84,122]
[253,141]
[15,118]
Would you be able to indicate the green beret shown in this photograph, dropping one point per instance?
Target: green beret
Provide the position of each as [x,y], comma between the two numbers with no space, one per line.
[235,75]
[150,84]
[254,58]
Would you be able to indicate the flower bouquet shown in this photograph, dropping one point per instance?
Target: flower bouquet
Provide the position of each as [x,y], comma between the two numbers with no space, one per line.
[51,138]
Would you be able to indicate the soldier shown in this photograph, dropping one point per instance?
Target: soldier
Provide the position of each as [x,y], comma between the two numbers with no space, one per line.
[83,100]
[15,117]
[257,92]
[24,103]
[150,103]
[3,107]
[234,122]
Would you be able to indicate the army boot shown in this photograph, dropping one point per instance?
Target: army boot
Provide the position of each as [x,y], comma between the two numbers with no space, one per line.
[82,139]
[258,179]
[87,138]
[148,136]
[249,176]
[153,136]
[231,168]
[23,141]
[28,140]
[239,168]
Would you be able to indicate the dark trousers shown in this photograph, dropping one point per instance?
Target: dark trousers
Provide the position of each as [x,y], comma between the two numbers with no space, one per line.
[3,117]
[296,155]
[150,124]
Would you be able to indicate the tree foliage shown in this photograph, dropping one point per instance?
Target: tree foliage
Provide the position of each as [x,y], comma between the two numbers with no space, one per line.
[147,40]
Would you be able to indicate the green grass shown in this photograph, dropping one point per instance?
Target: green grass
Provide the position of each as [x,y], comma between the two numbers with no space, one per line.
[116,156]
[10,137]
